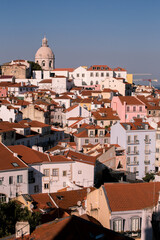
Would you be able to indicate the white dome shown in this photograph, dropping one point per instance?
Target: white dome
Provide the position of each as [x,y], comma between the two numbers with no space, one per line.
[44,56]
[44,52]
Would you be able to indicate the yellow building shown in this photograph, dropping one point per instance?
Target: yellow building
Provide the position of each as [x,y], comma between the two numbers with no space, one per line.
[130,78]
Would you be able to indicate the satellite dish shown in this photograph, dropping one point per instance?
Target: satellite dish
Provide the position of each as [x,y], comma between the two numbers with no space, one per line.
[31,206]
[79,203]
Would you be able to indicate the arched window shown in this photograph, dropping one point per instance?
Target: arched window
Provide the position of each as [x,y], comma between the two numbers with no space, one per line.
[50,64]
[91,83]
[43,63]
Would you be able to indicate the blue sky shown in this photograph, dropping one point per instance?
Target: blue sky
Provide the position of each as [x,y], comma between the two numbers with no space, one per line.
[122,33]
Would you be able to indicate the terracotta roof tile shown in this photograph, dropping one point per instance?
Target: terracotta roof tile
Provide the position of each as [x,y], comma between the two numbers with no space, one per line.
[132,196]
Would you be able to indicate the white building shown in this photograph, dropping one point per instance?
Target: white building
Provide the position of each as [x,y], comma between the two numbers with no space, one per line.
[138,138]
[44,56]
[13,174]
[49,173]
[10,113]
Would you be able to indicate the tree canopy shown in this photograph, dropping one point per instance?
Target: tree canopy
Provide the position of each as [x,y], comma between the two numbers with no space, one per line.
[149,177]
[34,66]
[12,212]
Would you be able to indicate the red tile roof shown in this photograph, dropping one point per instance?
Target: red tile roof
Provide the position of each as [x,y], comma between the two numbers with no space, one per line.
[64,69]
[101,68]
[130,100]
[29,155]
[9,160]
[119,69]
[132,196]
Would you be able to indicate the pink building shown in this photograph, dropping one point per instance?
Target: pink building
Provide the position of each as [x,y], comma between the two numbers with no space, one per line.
[3,92]
[128,107]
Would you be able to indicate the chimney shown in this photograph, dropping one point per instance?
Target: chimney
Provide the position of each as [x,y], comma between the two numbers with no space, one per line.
[22,229]
[15,154]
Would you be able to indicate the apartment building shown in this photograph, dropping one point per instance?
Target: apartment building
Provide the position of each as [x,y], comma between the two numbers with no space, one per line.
[139,140]
[128,107]
[90,134]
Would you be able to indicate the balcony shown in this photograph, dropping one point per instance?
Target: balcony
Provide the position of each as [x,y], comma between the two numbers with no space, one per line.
[134,142]
[147,162]
[133,163]
[147,152]
[147,141]
[135,234]
[133,153]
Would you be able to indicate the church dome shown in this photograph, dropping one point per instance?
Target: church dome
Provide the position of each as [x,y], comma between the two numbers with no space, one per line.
[44,55]
[44,51]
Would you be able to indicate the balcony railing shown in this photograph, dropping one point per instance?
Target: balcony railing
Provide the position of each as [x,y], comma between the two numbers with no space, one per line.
[147,151]
[147,162]
[133,153]
[132,163]
[147,141]
[134,142]
[136,234]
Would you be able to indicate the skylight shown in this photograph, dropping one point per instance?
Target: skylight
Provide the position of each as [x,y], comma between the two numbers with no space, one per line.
[15,164]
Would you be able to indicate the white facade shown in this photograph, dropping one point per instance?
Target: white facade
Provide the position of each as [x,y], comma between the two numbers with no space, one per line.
[140,148]
[61,175]
[10,114]
[18,185]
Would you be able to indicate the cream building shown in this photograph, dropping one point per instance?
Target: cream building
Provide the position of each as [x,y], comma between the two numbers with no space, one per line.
[44,56]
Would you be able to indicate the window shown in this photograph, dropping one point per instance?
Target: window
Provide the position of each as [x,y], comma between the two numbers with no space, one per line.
[46,186]
[64,184]
[107,74]
[134,109]
[128,160]
[96,82]
[91,133]
[77,74]
[83,75]
[97,74]
[129,139]
[79,171]
[55,172]
[43,63]
[128,149]
[50,64]
[135,224]
[36,188]
[91,83]
[127,108]
[2,198]
[157,150]
[102,74]
[105,140]
[96,140]
[101,133]
[19,178]
[140,109]
[31,178]
[64,173]
[146,169]
[1,180]
[91,74]
[135,159]
[117,225]
[10,179]
[46,172]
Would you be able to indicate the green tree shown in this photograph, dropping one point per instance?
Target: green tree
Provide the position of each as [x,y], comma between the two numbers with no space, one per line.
[34,66]
[149,177]
[12,212]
